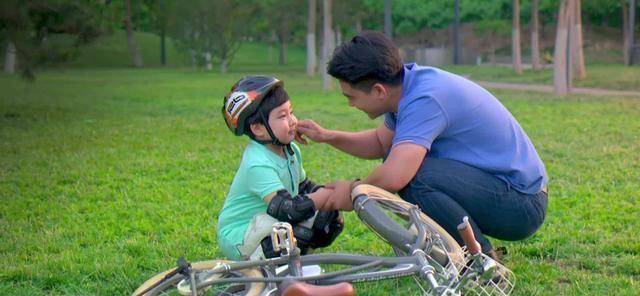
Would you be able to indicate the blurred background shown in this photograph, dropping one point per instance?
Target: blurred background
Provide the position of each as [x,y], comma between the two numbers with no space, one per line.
[225,35]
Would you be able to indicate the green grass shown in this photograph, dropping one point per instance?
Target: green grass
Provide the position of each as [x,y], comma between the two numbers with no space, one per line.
[608,76]
[107,176]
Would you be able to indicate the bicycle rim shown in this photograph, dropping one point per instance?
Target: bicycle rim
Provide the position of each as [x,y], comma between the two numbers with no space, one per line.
[181,286]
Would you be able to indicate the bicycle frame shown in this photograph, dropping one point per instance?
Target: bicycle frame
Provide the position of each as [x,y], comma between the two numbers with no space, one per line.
[478,271]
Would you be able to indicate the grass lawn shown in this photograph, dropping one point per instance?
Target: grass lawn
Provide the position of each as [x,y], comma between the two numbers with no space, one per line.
[107,176]
[608,76]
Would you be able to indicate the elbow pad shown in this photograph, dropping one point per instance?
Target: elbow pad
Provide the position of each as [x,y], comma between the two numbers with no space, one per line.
[307,186]
[290,209]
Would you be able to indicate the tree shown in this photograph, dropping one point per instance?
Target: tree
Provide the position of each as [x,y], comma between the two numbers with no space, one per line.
[10,58]
[283,16]
[576,42]
[311,37]
[625,31]
[157,17]
[328,40]
[535,39]
[631,31]
[562,58]
[456,32]
[388,25]
[134,50]
[491,31]
[515,52]
[208,29]
[27,25]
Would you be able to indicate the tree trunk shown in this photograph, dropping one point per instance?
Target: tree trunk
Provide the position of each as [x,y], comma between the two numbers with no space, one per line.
[131,41]
[338,36]
[192,58]
[358,25]
[456,32]
[625,31]
[576,42]
[282,48]
[327,42]
[561,64]
[515,48]
[272,41]
[207,61]
[388,26]
[311,38]
[10,58]
[223,66]
[631,32]
[535,39]
[163,52]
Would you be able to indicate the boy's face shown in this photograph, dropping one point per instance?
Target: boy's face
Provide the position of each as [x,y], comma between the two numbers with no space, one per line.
[282,122]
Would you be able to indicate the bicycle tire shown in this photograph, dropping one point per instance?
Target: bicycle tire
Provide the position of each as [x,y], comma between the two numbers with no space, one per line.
[398,236]
[252,289]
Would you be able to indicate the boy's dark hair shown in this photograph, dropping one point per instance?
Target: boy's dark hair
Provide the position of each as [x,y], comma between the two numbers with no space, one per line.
[369,57]
[274,98]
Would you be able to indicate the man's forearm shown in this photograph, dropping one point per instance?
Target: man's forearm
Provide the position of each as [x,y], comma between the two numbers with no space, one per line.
[380,178]
[362,144]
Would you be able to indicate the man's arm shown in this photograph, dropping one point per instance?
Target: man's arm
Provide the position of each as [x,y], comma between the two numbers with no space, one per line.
[369,144]
[399,168]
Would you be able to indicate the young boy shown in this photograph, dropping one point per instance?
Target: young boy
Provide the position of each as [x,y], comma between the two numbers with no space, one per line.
[270,184]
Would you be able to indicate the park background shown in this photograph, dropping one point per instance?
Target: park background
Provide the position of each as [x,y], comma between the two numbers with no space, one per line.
[114,158]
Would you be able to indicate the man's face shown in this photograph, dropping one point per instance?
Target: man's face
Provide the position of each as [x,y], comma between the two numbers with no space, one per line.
[372,103]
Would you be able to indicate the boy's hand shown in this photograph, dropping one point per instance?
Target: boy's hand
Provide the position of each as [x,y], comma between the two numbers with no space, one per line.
[340,199]
[311,130]
[320,197]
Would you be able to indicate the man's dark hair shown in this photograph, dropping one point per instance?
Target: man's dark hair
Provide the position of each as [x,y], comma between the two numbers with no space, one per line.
[370,57]
[274,98]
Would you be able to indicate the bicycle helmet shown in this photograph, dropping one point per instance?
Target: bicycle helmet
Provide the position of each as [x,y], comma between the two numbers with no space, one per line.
[245,99]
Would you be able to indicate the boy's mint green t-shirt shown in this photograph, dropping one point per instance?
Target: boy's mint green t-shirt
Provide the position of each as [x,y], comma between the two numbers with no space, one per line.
[261,173]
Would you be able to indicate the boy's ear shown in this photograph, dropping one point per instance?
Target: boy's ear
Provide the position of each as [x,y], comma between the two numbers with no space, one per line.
[258,130]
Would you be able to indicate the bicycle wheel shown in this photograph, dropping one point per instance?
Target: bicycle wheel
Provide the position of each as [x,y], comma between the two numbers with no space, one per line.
[388,216]
[253,288]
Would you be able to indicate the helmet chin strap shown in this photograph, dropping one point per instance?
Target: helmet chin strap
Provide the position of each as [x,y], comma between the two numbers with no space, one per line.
[274,140]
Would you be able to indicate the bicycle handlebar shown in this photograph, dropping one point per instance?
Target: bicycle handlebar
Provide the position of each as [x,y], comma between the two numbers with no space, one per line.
[469,239]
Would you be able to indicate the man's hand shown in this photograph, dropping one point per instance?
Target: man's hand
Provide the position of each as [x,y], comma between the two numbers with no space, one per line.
[312,130]
[340,199]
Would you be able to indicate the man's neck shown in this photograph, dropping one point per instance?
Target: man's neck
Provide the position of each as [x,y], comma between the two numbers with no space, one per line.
[395,94]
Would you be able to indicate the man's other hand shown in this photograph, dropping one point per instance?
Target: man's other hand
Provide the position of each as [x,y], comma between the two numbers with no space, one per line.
[340,198]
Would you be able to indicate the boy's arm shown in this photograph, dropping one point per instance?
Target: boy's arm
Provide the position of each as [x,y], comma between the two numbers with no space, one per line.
[319,197]
[368,144]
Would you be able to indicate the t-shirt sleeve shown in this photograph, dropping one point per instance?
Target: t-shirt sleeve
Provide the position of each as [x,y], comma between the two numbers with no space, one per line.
[264,181]
[420,121]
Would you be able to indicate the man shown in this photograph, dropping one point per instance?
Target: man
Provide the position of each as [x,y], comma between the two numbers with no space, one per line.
[448,145]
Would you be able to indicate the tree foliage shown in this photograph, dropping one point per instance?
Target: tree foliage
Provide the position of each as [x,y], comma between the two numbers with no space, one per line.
[211,28]
[31,24]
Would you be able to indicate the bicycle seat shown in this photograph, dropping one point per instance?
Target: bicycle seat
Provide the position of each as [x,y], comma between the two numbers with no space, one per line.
[294,288]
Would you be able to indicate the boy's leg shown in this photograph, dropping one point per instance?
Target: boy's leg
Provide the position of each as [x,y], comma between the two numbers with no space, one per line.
[448,190]
[259,228]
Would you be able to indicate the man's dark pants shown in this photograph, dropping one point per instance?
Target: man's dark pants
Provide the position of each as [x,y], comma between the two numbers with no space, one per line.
[448,190]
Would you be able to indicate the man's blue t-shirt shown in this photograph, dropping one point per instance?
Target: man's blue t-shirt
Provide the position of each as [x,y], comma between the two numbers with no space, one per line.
[457,119]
